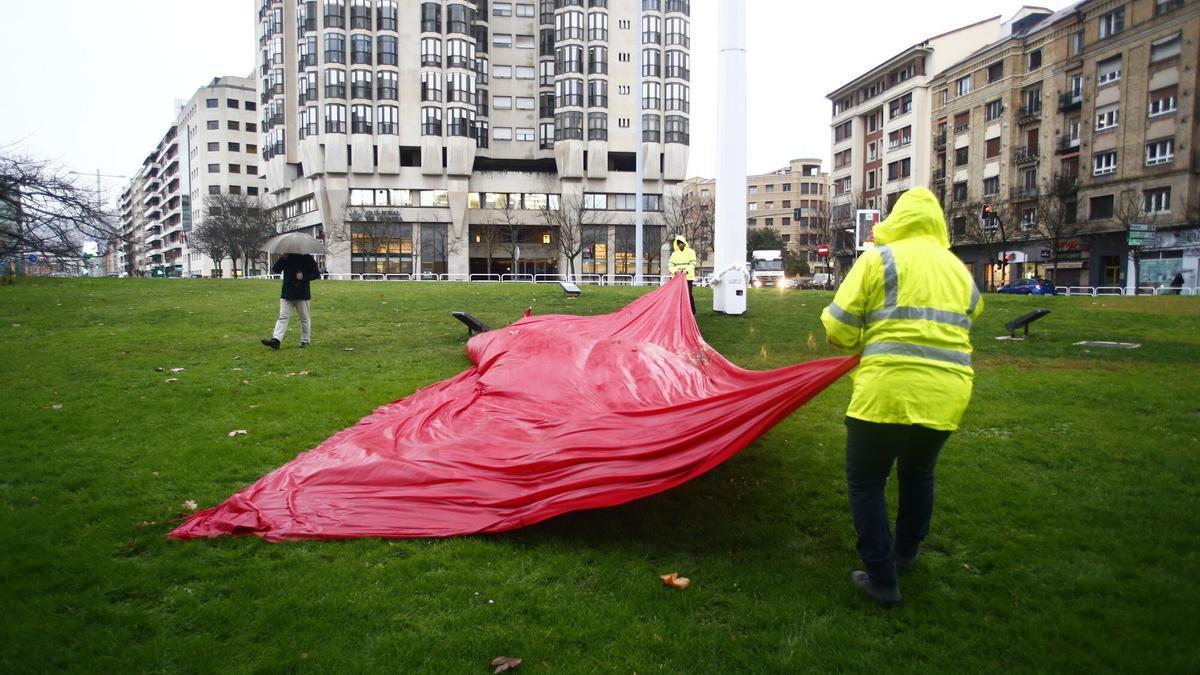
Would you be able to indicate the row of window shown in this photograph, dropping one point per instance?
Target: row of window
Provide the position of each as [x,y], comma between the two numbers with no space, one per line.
[215,146]
[500,200]
[231,125]
[231,103]
[334,15]
[251,169]
[233,190]
[804,188]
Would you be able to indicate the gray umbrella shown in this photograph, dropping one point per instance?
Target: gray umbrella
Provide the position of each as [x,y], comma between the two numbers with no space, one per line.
[294,242]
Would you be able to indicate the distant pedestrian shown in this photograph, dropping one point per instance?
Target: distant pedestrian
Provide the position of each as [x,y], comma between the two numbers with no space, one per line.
[906,308]
[1177,284]
[297,270]
[683,259]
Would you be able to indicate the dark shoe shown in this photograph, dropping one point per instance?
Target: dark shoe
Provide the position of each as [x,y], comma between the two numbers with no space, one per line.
[303,345]
[271,342]
[906,564]
[886,598]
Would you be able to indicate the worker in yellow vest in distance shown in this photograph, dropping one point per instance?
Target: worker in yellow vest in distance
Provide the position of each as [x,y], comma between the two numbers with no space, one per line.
[683,259]
[906,308]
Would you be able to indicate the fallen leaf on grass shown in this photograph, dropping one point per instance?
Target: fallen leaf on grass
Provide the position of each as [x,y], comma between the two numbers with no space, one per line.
[170,380]
[238,432]
[178,370]
[675,581]
[303,372]
[505,663]
[811,342]
[191,505]
[245,381]
[159,369]
[56,406]
[349,349]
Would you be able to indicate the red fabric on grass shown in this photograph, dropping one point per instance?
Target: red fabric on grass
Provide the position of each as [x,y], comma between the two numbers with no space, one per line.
[559,413]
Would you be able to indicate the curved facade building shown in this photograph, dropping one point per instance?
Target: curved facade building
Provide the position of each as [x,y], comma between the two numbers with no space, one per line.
[458,137]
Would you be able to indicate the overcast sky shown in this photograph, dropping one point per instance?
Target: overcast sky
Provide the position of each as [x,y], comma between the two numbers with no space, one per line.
[91,85]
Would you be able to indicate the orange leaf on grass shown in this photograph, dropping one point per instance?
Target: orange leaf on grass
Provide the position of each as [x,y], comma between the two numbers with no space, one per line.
[504,663]
[675,581]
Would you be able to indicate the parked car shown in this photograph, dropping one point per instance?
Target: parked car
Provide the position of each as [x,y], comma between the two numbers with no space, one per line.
[1030,286]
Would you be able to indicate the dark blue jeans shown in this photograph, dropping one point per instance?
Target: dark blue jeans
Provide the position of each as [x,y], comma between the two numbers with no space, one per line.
[871,448]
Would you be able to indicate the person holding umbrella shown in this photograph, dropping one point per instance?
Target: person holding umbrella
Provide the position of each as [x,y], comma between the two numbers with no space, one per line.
[298,267]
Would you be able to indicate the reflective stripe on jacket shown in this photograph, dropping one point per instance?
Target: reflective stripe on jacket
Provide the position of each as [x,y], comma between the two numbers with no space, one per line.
[907,306]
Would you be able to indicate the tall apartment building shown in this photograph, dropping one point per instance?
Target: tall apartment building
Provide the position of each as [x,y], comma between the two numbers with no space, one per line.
[881,135]
[1069,127]
[402,131]
[211,148]
[791,200]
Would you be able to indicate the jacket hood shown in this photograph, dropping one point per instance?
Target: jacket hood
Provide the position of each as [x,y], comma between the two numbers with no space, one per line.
[678,237]
[916,214]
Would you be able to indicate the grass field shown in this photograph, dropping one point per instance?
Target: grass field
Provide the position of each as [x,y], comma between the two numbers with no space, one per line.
[1065,536]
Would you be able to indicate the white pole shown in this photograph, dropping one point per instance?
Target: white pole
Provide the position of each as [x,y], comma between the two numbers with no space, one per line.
[729,255]
[638,155]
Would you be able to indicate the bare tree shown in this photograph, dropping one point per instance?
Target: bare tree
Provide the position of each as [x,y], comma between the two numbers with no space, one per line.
[43,211]
[238,225]
[695,219]
[1056,215]
[568,222]
[508,227]
[1129,208]
[370,230]
[833,225]
[491,235]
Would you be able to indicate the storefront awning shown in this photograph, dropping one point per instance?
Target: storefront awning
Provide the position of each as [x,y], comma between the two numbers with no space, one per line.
[1065,265]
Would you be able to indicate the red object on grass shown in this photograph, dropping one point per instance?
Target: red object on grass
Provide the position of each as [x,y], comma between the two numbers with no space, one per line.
[559,413]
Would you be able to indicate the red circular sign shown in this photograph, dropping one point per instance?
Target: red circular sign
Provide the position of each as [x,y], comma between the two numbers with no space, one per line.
[822,250]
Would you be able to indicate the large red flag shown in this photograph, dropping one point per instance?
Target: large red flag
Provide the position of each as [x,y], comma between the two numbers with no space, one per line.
[559,413]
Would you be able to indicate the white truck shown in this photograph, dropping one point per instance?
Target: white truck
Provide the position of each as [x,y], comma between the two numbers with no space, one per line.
[766,268]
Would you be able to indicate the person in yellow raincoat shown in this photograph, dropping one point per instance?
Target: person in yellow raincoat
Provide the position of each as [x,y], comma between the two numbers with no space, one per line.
[906,309]
[683,259]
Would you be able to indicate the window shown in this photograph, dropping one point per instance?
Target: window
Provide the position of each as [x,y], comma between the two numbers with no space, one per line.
[387,51]
[211,103]
[335,14]
[213,124]
[525,42]
[651,96]
[214,189]
[388,116]
[992,148]
[1162,101]
[568,26]
[568,59]
[502,102]
[360,48]
[995,72]
[568,125]
[1108,71]
[431,85]
[251,126]
[568,93]
[387,86]
[598,26]
[526,73]
[597,60]
[1104,163]
[335,118]
[900,169]
[597,126]
[502,9]
[900,106]
[1108,117]
[992,110]
[1160,152]
[1033,60]
[963,85]
[525,134]
[1112,23]
[842,131]
[1157,200]
[900,138]
[1163,6]
[526,103]
[235,168]
[234,147]
[360,119]
[991,186]
[252,169]
[1100,208]
[677,129]
[841,159]
[1077,43]
[1164,48]
[502,40]
[335,48]
[1031,100]
[524,10]
[431,52]
[678,64]
[962,121]
[251,105]
[233,125]
[598,93]
[500,72]
[252,191]
[214,146]
[962,156]
[214,168]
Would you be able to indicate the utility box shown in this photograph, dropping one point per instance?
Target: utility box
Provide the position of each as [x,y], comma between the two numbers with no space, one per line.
[729,292]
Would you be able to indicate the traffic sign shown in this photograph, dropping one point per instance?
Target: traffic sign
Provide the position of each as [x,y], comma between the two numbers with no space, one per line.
[822,250]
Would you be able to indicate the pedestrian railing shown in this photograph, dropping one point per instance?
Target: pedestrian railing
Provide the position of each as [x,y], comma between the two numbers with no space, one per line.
[487,278]
[518,278]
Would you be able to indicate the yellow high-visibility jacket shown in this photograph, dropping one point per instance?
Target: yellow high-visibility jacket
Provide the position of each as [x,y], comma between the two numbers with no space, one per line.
[682,261]
[906,307]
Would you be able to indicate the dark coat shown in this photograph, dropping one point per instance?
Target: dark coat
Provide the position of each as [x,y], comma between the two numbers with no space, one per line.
[293,288]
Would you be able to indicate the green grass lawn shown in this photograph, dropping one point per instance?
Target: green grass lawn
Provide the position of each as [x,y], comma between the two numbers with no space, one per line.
[1064,540]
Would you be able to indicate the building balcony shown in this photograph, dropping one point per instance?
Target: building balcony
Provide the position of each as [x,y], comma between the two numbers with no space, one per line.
[1026,154]
[962,128]
[1072,100]
[1067,144]
[1024,192]
[1029,114]
[940,141]
[939,176]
